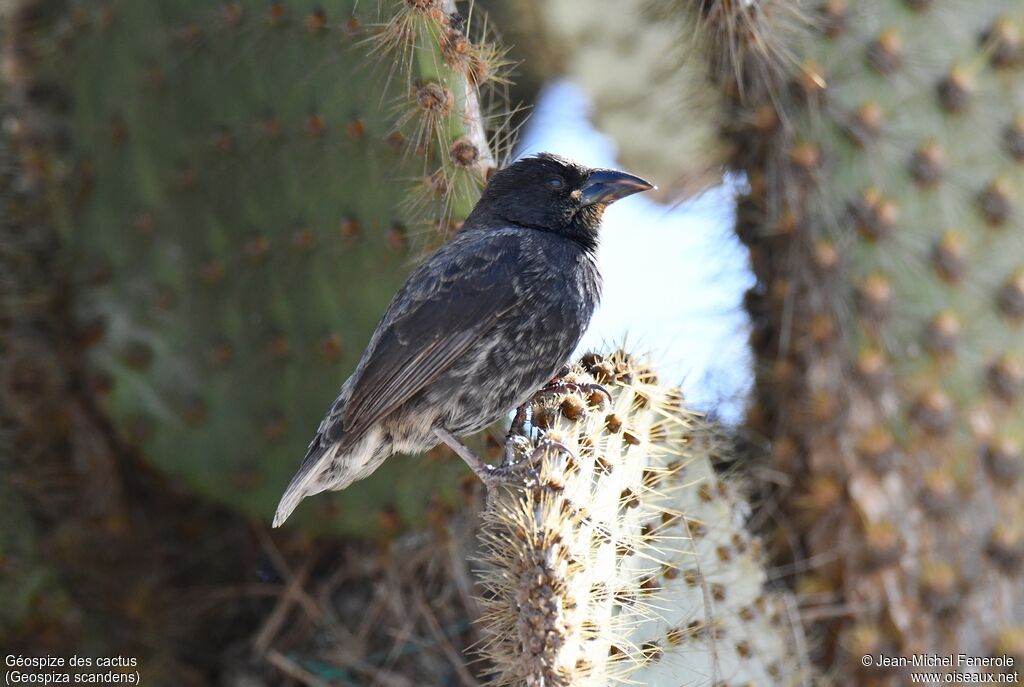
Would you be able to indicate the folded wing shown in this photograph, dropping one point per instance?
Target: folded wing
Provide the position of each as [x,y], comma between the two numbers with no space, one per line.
[437,317]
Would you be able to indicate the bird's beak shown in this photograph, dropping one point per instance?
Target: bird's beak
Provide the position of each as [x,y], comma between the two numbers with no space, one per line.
[608,185]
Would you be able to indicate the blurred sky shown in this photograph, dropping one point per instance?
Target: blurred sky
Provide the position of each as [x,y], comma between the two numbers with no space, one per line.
[674,276]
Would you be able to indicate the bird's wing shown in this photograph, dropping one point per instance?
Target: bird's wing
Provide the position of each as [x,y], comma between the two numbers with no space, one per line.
[441,311]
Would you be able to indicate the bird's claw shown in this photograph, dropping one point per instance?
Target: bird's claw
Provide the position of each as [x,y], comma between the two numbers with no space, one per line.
[544,446]
[558,387]
[514,445]
[514,468]
[516,461]
[506,474]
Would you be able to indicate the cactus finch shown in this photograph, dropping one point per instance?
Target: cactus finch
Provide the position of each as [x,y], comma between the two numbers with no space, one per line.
[480,325]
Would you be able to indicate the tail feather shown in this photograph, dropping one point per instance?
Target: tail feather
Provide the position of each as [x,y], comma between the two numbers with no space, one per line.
[317,460]
[332,466]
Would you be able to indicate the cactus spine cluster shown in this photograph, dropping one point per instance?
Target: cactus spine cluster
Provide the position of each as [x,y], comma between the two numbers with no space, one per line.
[620,556]
[234,202]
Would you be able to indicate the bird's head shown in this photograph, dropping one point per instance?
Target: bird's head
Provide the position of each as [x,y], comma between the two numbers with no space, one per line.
[551,193]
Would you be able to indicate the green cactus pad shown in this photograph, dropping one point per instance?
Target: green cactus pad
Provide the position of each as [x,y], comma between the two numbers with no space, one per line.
[237,220]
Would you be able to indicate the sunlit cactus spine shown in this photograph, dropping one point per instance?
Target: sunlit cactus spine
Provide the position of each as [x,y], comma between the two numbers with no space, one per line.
[882,145]
[614,554]
[249,183]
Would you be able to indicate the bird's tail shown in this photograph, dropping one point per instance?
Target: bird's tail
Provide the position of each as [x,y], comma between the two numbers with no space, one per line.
[332,467]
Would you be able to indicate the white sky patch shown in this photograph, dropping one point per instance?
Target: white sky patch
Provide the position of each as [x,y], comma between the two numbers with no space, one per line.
[674,276]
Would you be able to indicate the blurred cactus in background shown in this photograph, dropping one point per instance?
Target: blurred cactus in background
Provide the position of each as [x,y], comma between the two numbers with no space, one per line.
[648,89]
[619,555]
[35,603]
[881,147]
[205,207]
[243,186]
[881,142]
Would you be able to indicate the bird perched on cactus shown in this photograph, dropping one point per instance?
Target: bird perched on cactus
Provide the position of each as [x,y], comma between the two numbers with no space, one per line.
[478,327]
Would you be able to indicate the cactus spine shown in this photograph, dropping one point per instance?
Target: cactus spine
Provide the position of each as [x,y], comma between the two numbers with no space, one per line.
[621,558]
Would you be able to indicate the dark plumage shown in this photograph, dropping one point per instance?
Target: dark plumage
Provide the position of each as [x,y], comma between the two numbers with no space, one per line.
[477,328]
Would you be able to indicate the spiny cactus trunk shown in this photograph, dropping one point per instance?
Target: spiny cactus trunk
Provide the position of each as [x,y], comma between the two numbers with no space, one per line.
[617,554]
[882,146]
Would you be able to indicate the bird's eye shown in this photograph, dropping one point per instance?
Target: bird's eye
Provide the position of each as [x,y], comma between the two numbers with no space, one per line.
[555,183]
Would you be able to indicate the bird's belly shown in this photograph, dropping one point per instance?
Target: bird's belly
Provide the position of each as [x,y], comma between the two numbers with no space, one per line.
[499,375]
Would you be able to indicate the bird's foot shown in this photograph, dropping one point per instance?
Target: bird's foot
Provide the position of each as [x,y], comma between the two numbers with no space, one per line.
[544,447]
[519,462]
[516,446]
[523,463]
[488,474]
[558,387]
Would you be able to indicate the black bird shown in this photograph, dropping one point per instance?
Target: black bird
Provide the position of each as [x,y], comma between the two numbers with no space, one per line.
[480,325]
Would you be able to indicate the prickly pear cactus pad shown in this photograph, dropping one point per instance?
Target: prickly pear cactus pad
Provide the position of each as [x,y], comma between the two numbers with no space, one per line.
[885,164]
[613,554]
[641,77]
[251,182]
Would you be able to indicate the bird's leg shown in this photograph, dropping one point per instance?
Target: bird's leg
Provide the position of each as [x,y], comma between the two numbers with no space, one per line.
[475,463]
[518,422]
[509,469]
[514,438]
[487,473]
